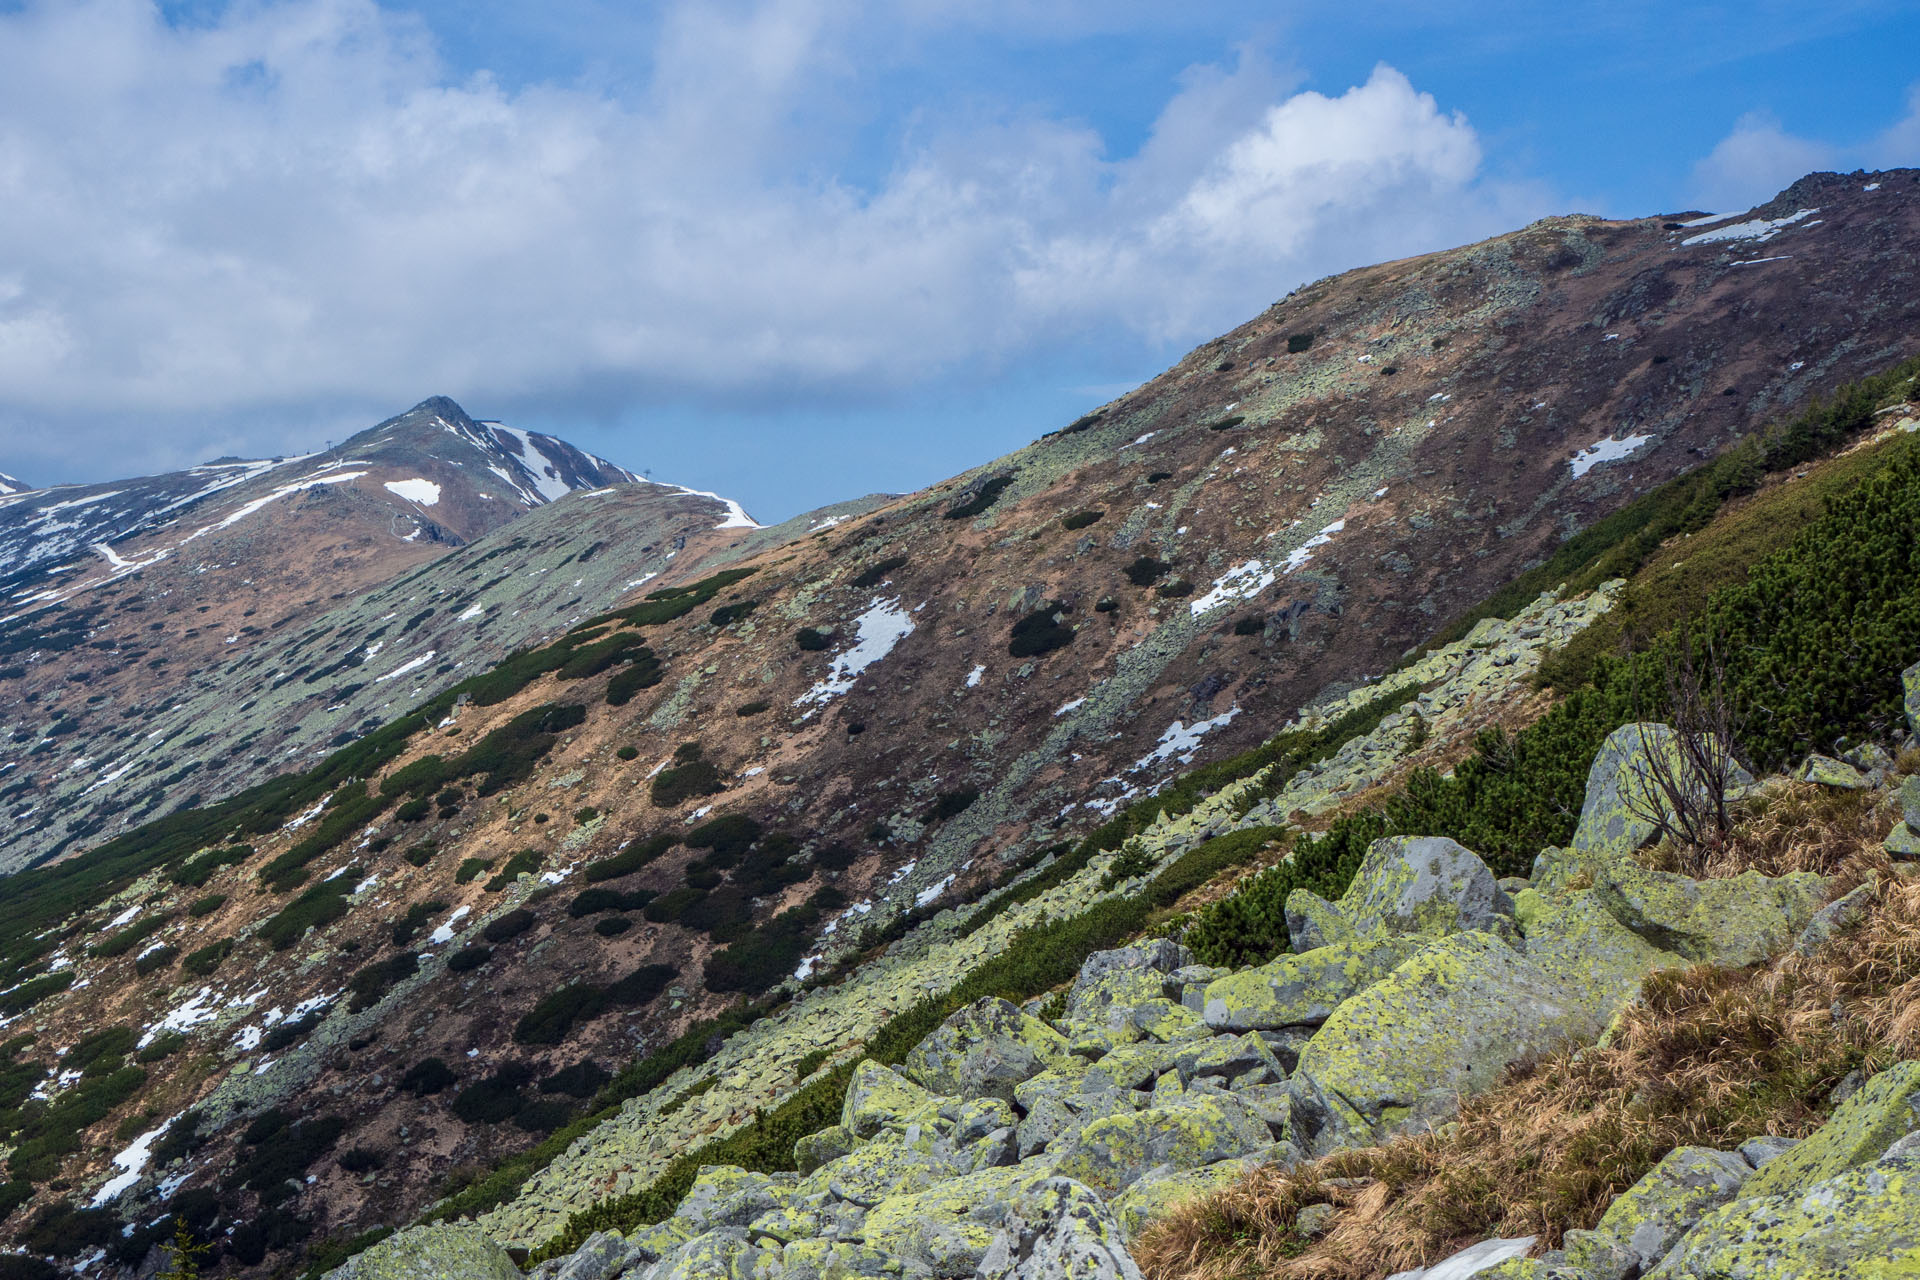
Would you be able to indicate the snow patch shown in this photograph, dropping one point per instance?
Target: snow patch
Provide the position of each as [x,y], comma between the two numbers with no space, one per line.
[412,665]
[1181,741]
[1756,229]
[424,492]
[1608,450]
[445,932]
[884,625]
[1065,707]
[1242,582]
[132,1162]
[201,1009]
[976,675]
[933,891]
[1300,555]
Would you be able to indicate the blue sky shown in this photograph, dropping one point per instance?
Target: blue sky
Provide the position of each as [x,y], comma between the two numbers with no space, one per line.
[799,250]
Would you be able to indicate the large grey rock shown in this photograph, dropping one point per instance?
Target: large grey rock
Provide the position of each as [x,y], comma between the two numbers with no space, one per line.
[1863,1222]
[1881,1112]
[1836,917]
[603,1256]
[725,1254]
[1574,940]
[1449,1021]
[1159,1192]
[1156,955]
[879,1097]
[1621,801]
[1194,1130]
[1648,1218]
[726,1196]
[948,1229]
[1313,922]
[1063,1232]
[1732,922]
[984,1050]
[438,1251]
[1425,885]
[1302,988]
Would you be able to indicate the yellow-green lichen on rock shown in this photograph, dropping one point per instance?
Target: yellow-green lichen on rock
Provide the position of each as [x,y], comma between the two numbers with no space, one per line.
[1448,1021]
[985,1049]
[1597,960]
[1429,886]
[1731,922]
[440,1251]
[1861,1129]
[1187,1133]
[1302,988]
[1645,1220]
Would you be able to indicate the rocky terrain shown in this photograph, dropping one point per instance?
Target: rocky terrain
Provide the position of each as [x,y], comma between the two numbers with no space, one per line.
[529,867]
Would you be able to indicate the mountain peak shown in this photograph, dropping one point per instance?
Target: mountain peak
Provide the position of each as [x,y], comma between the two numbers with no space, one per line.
[10,485]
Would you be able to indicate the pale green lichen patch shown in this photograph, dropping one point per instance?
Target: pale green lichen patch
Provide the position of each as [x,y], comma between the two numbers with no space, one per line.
[1863,1127]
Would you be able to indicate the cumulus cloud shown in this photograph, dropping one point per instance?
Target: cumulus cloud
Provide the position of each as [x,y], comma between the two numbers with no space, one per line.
[1752,163]
[297,204]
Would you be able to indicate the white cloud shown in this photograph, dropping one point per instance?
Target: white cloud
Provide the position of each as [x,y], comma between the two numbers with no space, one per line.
[1899,146]
[295,204]
[1752,163]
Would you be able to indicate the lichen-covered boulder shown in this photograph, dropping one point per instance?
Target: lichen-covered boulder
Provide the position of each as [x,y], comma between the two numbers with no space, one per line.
[880,1169]
[878,1098]
[439,1251]
[1159,1192]
[1825,771]
[1425,885]
[1838,916]
[1474,1260]
[1230,1060]
[1733,922]
[1062,1231]
[725,1196]
[1302,988]
[1862,1223]
[1194,1130]
[602,1256]
[1910,688]
[1313,922]
[725,1254]
[1616,816]
[1448,1021]
[1596,959]
[1881,1112]
[1156,956]
[1903,841]
[984,1050]
[812,1150]
[1909,796]
[1644,1221]
[948,1229]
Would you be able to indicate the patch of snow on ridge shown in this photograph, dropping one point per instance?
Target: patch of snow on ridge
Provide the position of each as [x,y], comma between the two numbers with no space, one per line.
[1608,450]
[1181,741]
[424,492]
[202,1008]
[132,1162]
[1065,707]
[413,664]
[976,675]
[884,625]
[1242,582]
[241,513]
[1756,229]
[445,932]
[1298,557]
[933,891]
[546,478]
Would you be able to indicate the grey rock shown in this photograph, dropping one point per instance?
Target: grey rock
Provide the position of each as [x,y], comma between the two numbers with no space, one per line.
[1903,842]
[1424,885]
[1909,795]
[1835,918]
[439,1251]
[603,1256]
[1757,1151]
[1646,1220]
[1314,922]
[984,1050]
[1064,1233]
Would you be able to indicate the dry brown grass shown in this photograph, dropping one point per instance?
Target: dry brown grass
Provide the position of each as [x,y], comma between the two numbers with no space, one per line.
[1711,1057]
[1794,826]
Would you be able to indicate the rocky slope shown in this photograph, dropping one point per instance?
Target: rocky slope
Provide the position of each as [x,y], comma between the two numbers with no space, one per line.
[138,611]
[736,781]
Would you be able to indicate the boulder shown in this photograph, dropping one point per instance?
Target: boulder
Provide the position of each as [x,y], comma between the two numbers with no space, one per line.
[439,1251]
[1448,1021]
[1882,1111]
[984,1050]
[1062,1231]
[1910,688]
[881,1169]
[1648,1218]
[1471,1261]
[1229,1059]
[1826,771]
[1424,885]
[1156,956]
[725,1254]
[1110,1154]
[812,1150]
[1313,922]
[1592,956]
[725,1196]
[1616,816]
[1862,1222]
[948,1229]
[1302,988]
[879,1098]
[1733,922]
[1903,842]
[1909,795]
[1836,917]
[603,1256]
[1159,1192]
[1757,1151]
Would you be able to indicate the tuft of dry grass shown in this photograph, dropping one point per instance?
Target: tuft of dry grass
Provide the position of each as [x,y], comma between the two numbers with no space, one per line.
[1708,1057]
[1794,826]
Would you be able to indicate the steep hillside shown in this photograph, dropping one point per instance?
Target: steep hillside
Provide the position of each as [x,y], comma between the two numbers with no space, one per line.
[140,610]
[440,942]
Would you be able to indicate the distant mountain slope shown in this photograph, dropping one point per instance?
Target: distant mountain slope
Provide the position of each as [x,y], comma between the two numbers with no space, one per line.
[156,644]
[10,485]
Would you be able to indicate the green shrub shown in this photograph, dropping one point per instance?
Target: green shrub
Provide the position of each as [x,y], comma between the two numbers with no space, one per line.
[317,908]
[1041,631]
[727,615]
[525,862]
[467,959]
[981,498]
[1227,424]
[132,936]
[510,926]
[496,1098]
[751,708]
[549,1021]
[204,961]
[1298,342]
[206,906]
[812,640]
[1144,571]
[581,1080]
[23,997]
[421,854]
[372,982]
[470,869]
[408,926]
[427,1077]
[196,871]
[1081,519]
[953,803]
[612,926]
[729,835]
[636,855]
[627,753]
[690,776]
[155,958]
[877,573]
[594,901]
[164,1046]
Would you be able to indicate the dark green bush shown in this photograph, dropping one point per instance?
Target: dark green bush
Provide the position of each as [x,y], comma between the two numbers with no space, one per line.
[291,1032]
[1251,625]
[549,1021]
[206,906]
[1227,424]
[728,835]
[1145,571]
[427,1077]
[317,908]
[636,855]
[593,901]
[525,862]
[877,572]
[627,753]
[196,871]
[953,803]
[1041,631]
[496,1098]
[581,1080]
[510,926]
[132,936]
[470,869]
[980,499]
[1081,519]
[421,854]
[155,958]
[752,708]
[163,1047]
[23,997]
[371,982]
[612,926]
[467,959]
[690,776]
[204,961]
[728,614]
[1298,342]
[812,640]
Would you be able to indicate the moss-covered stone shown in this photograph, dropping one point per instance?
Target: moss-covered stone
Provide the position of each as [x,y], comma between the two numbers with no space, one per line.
[1302,988]
[1429,886]
[1314,922]
[812,1150]
[984,1050]
[1591,955]
[1160,1191]
[1838,916]
[1825,771]
[1111,1153]
[440,1251]
[725,1196]
[1732,922]
[949,1228]
[1617,815]
[1863,1224]
[1886,1108]
[1646,1219]
[725,1254]
[879,1097]
[1061,1231]
[1903,841]
[1448,1021]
